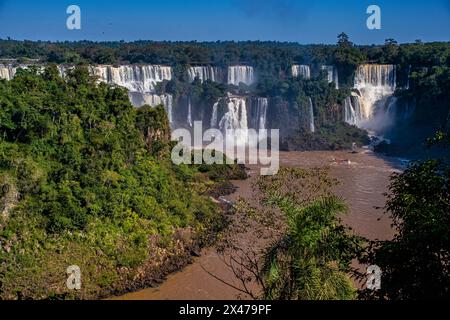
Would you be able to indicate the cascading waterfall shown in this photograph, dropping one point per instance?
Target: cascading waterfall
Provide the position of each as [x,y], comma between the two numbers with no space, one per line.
[235,118]
[332,75]
[312,127]
[262,105]
[236,115]
[257,112]
[408,78]
[349,112]
[135,78]
[189,116]
[140,80]
[376,85]
[302,71]
[214,114]
[238,74]
[214,74]
[352,110]
[7,72]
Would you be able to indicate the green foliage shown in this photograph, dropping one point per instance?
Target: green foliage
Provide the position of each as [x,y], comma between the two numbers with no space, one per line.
[347,58]
[327,137]
[312,260]
[416,263]
[154,125]
[79,186]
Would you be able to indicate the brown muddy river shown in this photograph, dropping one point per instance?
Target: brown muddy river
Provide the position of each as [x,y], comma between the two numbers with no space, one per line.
[364,178]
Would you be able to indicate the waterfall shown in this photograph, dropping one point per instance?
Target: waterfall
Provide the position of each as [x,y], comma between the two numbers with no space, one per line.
[263,103]
[189,116]
[312,127]
[135,78]
[376,85]
[63,70]
[236,115]
[352,110]
[7,72]
[241,113]
[257,112]
[169,105]
[408,79]
[214,74]
[302,71]
[214,114]
[332,75]
[140,80]
[238,74]
[235,118]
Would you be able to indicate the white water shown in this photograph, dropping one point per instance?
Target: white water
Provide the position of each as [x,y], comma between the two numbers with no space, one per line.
[139,80]
[409,77]
[332,75]
[205,73]
[312,127]
[238,74]
[263,104]
[258,112]
[375,85]
[302,71]
[241,113]
[352,110]
[135,78]
[235,118]
[236,115]
[214,114]
[7,72]
[189,116]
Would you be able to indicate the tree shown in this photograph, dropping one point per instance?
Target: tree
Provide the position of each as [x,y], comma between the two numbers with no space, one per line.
[416,263]
[310,251]
[347,58]
[343,40]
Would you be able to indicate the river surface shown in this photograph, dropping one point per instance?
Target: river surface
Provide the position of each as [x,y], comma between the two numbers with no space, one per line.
[364,179]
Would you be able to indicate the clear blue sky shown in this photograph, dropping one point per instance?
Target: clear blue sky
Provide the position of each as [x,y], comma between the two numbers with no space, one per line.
[310,21]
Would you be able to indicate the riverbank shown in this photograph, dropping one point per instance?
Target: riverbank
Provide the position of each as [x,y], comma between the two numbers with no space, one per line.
[364,179]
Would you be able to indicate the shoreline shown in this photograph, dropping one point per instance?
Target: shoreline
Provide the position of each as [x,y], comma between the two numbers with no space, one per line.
[191,282]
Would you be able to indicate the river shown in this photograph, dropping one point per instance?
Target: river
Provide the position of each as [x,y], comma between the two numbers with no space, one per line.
[364,179]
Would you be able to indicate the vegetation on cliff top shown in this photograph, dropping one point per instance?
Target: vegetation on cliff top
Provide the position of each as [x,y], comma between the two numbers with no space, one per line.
[86,180]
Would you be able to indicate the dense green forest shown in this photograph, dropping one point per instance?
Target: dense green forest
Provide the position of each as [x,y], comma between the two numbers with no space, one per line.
[87,180]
